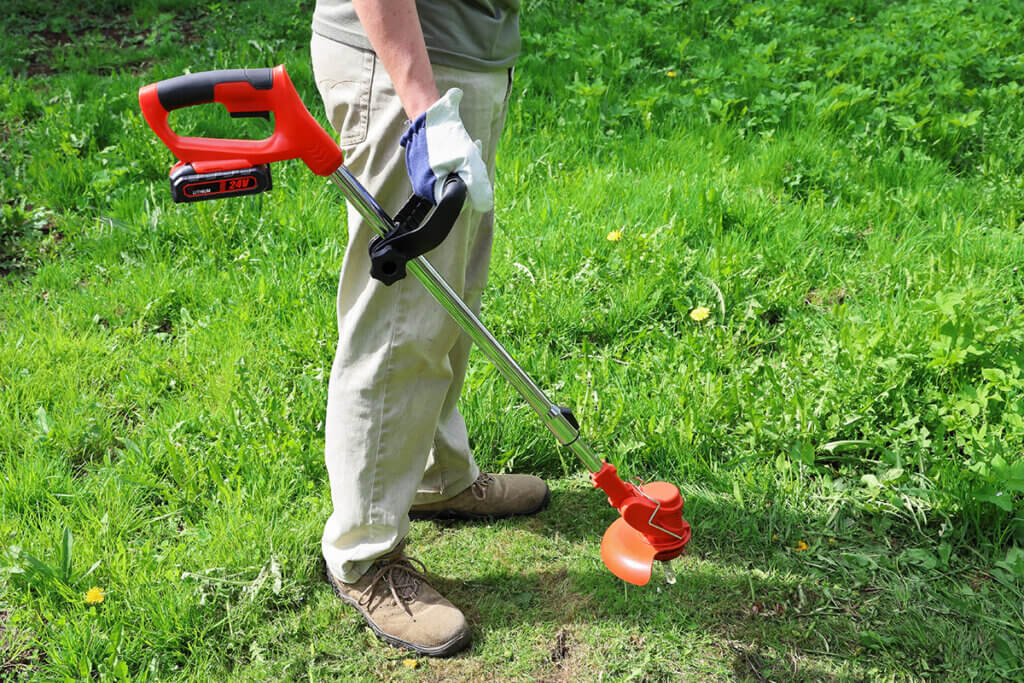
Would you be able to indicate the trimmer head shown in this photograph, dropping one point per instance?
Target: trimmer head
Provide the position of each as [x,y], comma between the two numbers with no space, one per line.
[651,527]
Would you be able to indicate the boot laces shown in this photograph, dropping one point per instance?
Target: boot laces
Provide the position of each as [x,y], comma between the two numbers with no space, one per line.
[402,579]
[479,487]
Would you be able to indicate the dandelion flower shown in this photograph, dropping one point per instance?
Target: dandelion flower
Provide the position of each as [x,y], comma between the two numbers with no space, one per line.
[700,313]
[614,236]
[671,74]
[800,546]
[94,596]
[410,663]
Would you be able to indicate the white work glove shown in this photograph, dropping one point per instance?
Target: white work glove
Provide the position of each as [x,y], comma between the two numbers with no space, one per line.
[436,145]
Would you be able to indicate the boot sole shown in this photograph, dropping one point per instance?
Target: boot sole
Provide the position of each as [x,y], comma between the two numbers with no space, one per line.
[427,515]
[454,645]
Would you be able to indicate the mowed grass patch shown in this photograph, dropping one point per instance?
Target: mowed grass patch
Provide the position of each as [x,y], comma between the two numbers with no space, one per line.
[845,425]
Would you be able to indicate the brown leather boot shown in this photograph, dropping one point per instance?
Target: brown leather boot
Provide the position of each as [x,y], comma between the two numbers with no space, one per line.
[489,497]
[403,609]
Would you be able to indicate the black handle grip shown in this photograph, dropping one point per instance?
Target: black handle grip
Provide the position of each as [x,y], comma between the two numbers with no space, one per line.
[453,196]
[409,239]
[190,89]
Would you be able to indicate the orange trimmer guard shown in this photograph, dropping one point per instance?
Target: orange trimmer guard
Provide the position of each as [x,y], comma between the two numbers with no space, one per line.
[626,552]
[651,527]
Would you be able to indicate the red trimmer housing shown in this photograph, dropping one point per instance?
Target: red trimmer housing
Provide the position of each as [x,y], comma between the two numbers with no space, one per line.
[651,527]
[213,168]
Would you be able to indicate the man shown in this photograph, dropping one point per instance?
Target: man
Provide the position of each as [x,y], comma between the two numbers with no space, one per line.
[396,445]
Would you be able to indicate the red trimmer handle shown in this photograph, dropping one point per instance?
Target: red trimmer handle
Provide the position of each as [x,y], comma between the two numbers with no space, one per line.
[243,92]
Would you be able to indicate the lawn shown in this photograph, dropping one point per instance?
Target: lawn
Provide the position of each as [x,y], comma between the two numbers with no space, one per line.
[841,185]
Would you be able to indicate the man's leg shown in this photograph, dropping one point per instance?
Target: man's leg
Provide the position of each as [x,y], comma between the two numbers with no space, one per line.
[443,492]
[450,466]
[394,372]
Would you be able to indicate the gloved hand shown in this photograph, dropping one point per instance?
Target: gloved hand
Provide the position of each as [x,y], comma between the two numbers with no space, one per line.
[437,144]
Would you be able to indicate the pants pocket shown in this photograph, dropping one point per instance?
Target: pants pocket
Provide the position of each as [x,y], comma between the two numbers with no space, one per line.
[344,77]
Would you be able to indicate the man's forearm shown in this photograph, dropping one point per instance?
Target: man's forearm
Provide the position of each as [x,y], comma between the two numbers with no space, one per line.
[393,28]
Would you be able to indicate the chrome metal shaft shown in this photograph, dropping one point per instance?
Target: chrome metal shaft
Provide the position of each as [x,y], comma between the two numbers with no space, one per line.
[550,414]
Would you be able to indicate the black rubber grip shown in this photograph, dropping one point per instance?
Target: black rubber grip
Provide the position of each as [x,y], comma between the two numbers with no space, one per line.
[410,237]
[184,91]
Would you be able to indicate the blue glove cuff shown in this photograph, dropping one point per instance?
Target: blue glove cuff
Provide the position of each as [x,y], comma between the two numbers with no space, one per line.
[417,161]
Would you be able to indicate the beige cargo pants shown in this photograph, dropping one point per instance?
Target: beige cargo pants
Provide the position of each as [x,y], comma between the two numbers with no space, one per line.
[394,435]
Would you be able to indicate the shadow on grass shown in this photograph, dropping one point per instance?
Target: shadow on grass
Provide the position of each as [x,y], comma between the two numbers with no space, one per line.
[775,610]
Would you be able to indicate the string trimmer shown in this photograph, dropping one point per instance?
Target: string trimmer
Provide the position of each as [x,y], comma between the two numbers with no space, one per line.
[651,526]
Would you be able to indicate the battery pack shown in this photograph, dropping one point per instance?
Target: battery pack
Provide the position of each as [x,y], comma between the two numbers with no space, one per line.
[189,186]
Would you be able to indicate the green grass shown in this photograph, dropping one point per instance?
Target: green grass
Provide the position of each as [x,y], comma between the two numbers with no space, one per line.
[841,184]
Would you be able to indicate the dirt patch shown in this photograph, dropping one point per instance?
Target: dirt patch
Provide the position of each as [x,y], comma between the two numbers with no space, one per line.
[825,298]
[18,659]
[561,649]
[114,34]
[568,661]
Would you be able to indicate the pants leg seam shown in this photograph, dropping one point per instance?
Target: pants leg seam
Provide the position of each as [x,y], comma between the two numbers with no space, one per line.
[374,497]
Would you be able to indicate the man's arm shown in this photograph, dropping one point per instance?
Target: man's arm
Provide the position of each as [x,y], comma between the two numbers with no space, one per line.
[436,143]
[393,27]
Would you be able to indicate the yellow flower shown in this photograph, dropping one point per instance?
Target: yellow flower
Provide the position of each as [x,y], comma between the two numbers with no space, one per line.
[800,546]
[700,313]
[614,236]
[831,540]
[671,74]
[94,596]
[410,663]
